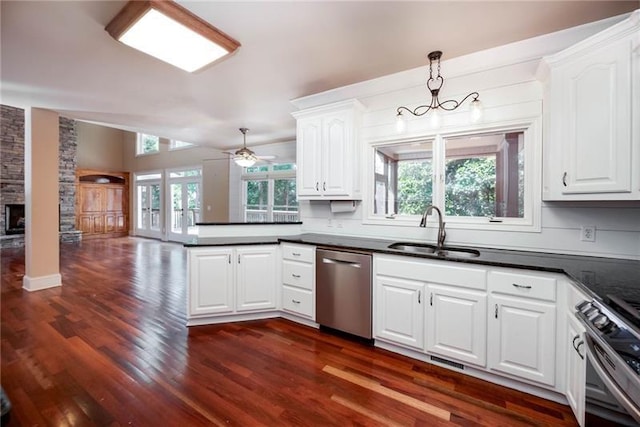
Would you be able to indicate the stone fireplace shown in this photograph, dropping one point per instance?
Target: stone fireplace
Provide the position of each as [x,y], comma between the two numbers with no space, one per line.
[12,176]
[14,219]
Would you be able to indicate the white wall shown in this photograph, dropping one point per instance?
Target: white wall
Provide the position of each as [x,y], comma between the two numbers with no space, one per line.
[506,80]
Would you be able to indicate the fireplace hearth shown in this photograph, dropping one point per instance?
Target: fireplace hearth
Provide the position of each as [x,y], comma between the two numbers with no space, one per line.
[14,219]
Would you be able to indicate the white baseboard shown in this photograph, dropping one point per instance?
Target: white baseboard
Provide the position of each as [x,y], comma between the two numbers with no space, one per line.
[43,282]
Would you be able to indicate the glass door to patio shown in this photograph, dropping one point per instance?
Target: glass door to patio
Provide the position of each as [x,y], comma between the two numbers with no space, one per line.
[184,204]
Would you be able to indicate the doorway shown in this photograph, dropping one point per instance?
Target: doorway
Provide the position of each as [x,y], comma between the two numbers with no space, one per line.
[183,204]
[148,203]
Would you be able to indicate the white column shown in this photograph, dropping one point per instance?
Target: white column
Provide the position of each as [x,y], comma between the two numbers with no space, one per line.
[42,242]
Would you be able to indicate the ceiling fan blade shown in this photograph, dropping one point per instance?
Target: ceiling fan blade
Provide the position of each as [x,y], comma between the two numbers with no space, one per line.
[266,157]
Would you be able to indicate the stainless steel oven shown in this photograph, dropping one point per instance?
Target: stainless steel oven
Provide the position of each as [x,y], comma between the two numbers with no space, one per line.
[612,344]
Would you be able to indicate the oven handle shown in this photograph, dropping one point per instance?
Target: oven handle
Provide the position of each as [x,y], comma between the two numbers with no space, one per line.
[613,387]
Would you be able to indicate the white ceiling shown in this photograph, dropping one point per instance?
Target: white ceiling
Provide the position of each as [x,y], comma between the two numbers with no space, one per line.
[56,55]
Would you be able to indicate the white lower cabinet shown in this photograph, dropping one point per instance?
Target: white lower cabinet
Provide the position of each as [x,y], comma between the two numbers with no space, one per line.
[456,324]
[256,285]
[399,311]
[522,337]
[227,280]
[298,280]
[576,367]
[210,281]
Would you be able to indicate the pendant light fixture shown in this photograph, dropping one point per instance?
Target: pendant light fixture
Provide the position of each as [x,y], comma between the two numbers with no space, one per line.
[245,157]
[434,84]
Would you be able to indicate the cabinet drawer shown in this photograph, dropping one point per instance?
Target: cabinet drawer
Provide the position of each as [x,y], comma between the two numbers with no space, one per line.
[524,285]
[297,274]
[302,253]
[297,301]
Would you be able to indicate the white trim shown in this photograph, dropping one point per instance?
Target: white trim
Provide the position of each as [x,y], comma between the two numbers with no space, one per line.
[531,222]
[42,282]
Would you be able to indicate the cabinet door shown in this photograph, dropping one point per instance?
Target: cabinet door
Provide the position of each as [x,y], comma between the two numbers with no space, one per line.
[596,126]
[456,324]
[576,367]
[521,338]
[337,155]
[399,315]
[309,154]
[256,278]
[210,281]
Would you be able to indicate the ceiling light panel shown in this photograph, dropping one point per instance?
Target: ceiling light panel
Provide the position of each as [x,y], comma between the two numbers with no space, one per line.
[169,32]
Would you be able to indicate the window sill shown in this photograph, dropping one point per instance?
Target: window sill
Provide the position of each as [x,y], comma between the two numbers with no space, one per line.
[518,225]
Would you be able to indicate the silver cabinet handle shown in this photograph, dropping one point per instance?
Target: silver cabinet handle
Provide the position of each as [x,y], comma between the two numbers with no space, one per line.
[419,295]
[229,258]
[324,186]
[295,301]
[521,286]
[297,276]
[295,253]
[238,259]
[578,350]
[431,299]
[496,314]
[564,179]
[317,186]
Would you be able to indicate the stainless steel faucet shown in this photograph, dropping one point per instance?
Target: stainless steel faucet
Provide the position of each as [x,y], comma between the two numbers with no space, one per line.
[441,233]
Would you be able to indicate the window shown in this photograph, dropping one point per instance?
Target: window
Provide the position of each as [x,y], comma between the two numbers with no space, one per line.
[484,175]
[481,178]
[147,144]
[403,179]
[270,193]
[179,145]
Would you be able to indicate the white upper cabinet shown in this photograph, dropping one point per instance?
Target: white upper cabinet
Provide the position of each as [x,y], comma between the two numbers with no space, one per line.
[329,151]
[592,106]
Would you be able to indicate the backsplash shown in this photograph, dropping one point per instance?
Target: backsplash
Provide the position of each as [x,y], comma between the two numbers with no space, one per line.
[617,230]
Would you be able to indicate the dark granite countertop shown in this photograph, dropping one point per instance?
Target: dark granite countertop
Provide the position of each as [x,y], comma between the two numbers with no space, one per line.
[236,241]
[597,275]
[601,276]
[249,223]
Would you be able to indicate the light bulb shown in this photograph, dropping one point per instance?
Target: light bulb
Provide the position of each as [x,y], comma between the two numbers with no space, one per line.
[245,161]
[475,111]
[401,123]
[435,118]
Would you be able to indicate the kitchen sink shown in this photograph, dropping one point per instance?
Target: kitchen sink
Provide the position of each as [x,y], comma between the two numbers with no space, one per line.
[446,251]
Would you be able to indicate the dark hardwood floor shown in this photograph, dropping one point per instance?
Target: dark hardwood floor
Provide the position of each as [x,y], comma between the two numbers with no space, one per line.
[110,348]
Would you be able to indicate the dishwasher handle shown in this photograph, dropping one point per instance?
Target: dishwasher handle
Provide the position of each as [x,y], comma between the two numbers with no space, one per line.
[341,262]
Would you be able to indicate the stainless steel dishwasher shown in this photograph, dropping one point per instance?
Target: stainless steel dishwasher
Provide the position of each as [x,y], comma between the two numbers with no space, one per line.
[343,291]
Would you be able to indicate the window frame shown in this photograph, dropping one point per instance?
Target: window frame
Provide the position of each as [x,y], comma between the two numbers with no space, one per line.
[531,221]
[270,176]
[139,151]
[173,147]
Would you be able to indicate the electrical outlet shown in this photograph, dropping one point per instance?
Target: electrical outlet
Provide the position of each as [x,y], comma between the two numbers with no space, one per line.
[588,233]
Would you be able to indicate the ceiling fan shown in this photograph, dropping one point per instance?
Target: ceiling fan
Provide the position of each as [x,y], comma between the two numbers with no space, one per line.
[244,156]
